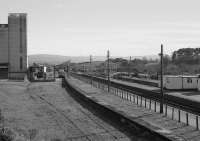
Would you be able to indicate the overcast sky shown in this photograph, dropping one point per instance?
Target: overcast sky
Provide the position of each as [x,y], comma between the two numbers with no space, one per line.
[126,27]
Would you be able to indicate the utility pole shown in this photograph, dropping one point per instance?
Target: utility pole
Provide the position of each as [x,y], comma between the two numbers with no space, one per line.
[108,69]
[161,80]
[54,73]
[129,67]
[91,69]
[68,70]
[69,67]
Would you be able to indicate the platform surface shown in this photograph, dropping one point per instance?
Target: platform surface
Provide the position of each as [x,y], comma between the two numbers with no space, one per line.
[150,119]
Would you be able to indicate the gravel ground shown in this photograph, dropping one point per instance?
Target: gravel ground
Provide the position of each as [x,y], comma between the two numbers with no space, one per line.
[44,111]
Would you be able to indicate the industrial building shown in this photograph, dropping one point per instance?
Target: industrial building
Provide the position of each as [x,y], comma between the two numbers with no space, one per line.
[41,73]
[13,47]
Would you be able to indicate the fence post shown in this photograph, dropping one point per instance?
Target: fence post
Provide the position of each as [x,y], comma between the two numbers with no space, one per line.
[172,113]
[165,109]
[150,104]
[179,115]
[187,122]
[197,122]
[145,102]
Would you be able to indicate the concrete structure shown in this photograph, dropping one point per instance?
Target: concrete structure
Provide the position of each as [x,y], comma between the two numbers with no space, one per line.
[3,50]
[13,47]
[3,43]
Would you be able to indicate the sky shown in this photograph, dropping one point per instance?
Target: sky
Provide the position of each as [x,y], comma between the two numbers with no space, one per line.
[125,27]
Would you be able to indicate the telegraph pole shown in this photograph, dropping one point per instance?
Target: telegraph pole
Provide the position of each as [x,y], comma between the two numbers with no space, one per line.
[91,68]
[68,70]
[129,65]
[108,69]
[161,80]
[54,73]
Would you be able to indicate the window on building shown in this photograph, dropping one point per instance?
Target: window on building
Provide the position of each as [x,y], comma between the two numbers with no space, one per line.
[21,63]
[189,80]
[167,80]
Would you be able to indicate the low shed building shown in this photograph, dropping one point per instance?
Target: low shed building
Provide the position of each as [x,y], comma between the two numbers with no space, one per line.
[181,82]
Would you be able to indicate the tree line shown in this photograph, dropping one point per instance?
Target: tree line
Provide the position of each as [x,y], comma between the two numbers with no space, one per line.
[182,61]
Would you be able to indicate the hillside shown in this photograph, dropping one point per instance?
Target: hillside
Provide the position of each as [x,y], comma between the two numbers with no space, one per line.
[58,59]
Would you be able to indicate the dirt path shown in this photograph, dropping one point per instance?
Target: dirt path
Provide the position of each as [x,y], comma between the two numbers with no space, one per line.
[46,112]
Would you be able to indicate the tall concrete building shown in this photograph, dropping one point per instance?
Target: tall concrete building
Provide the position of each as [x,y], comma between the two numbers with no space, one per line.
[13,47]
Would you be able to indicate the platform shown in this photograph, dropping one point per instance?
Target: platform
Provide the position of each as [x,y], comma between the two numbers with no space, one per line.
[156,122]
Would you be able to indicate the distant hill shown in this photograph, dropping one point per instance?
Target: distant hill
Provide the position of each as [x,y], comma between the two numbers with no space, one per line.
[58,59]
[148,57]
[44,58]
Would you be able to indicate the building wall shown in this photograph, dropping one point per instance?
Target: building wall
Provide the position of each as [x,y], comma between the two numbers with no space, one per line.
[3,43]
[17,44]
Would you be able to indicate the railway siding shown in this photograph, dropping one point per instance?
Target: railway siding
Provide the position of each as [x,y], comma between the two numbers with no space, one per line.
[43,111]
[138,117]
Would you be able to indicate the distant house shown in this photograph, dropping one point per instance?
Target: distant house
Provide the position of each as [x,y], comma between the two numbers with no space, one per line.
[87,66]
[113,66]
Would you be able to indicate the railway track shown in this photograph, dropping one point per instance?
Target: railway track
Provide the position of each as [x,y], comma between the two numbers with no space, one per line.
[93,118]
[177,102]
[58,114]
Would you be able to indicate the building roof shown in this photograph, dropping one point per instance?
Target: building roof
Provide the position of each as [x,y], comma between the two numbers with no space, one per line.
[17,14]
[183,76]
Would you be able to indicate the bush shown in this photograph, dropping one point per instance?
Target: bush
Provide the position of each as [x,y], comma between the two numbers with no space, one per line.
[4,137]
